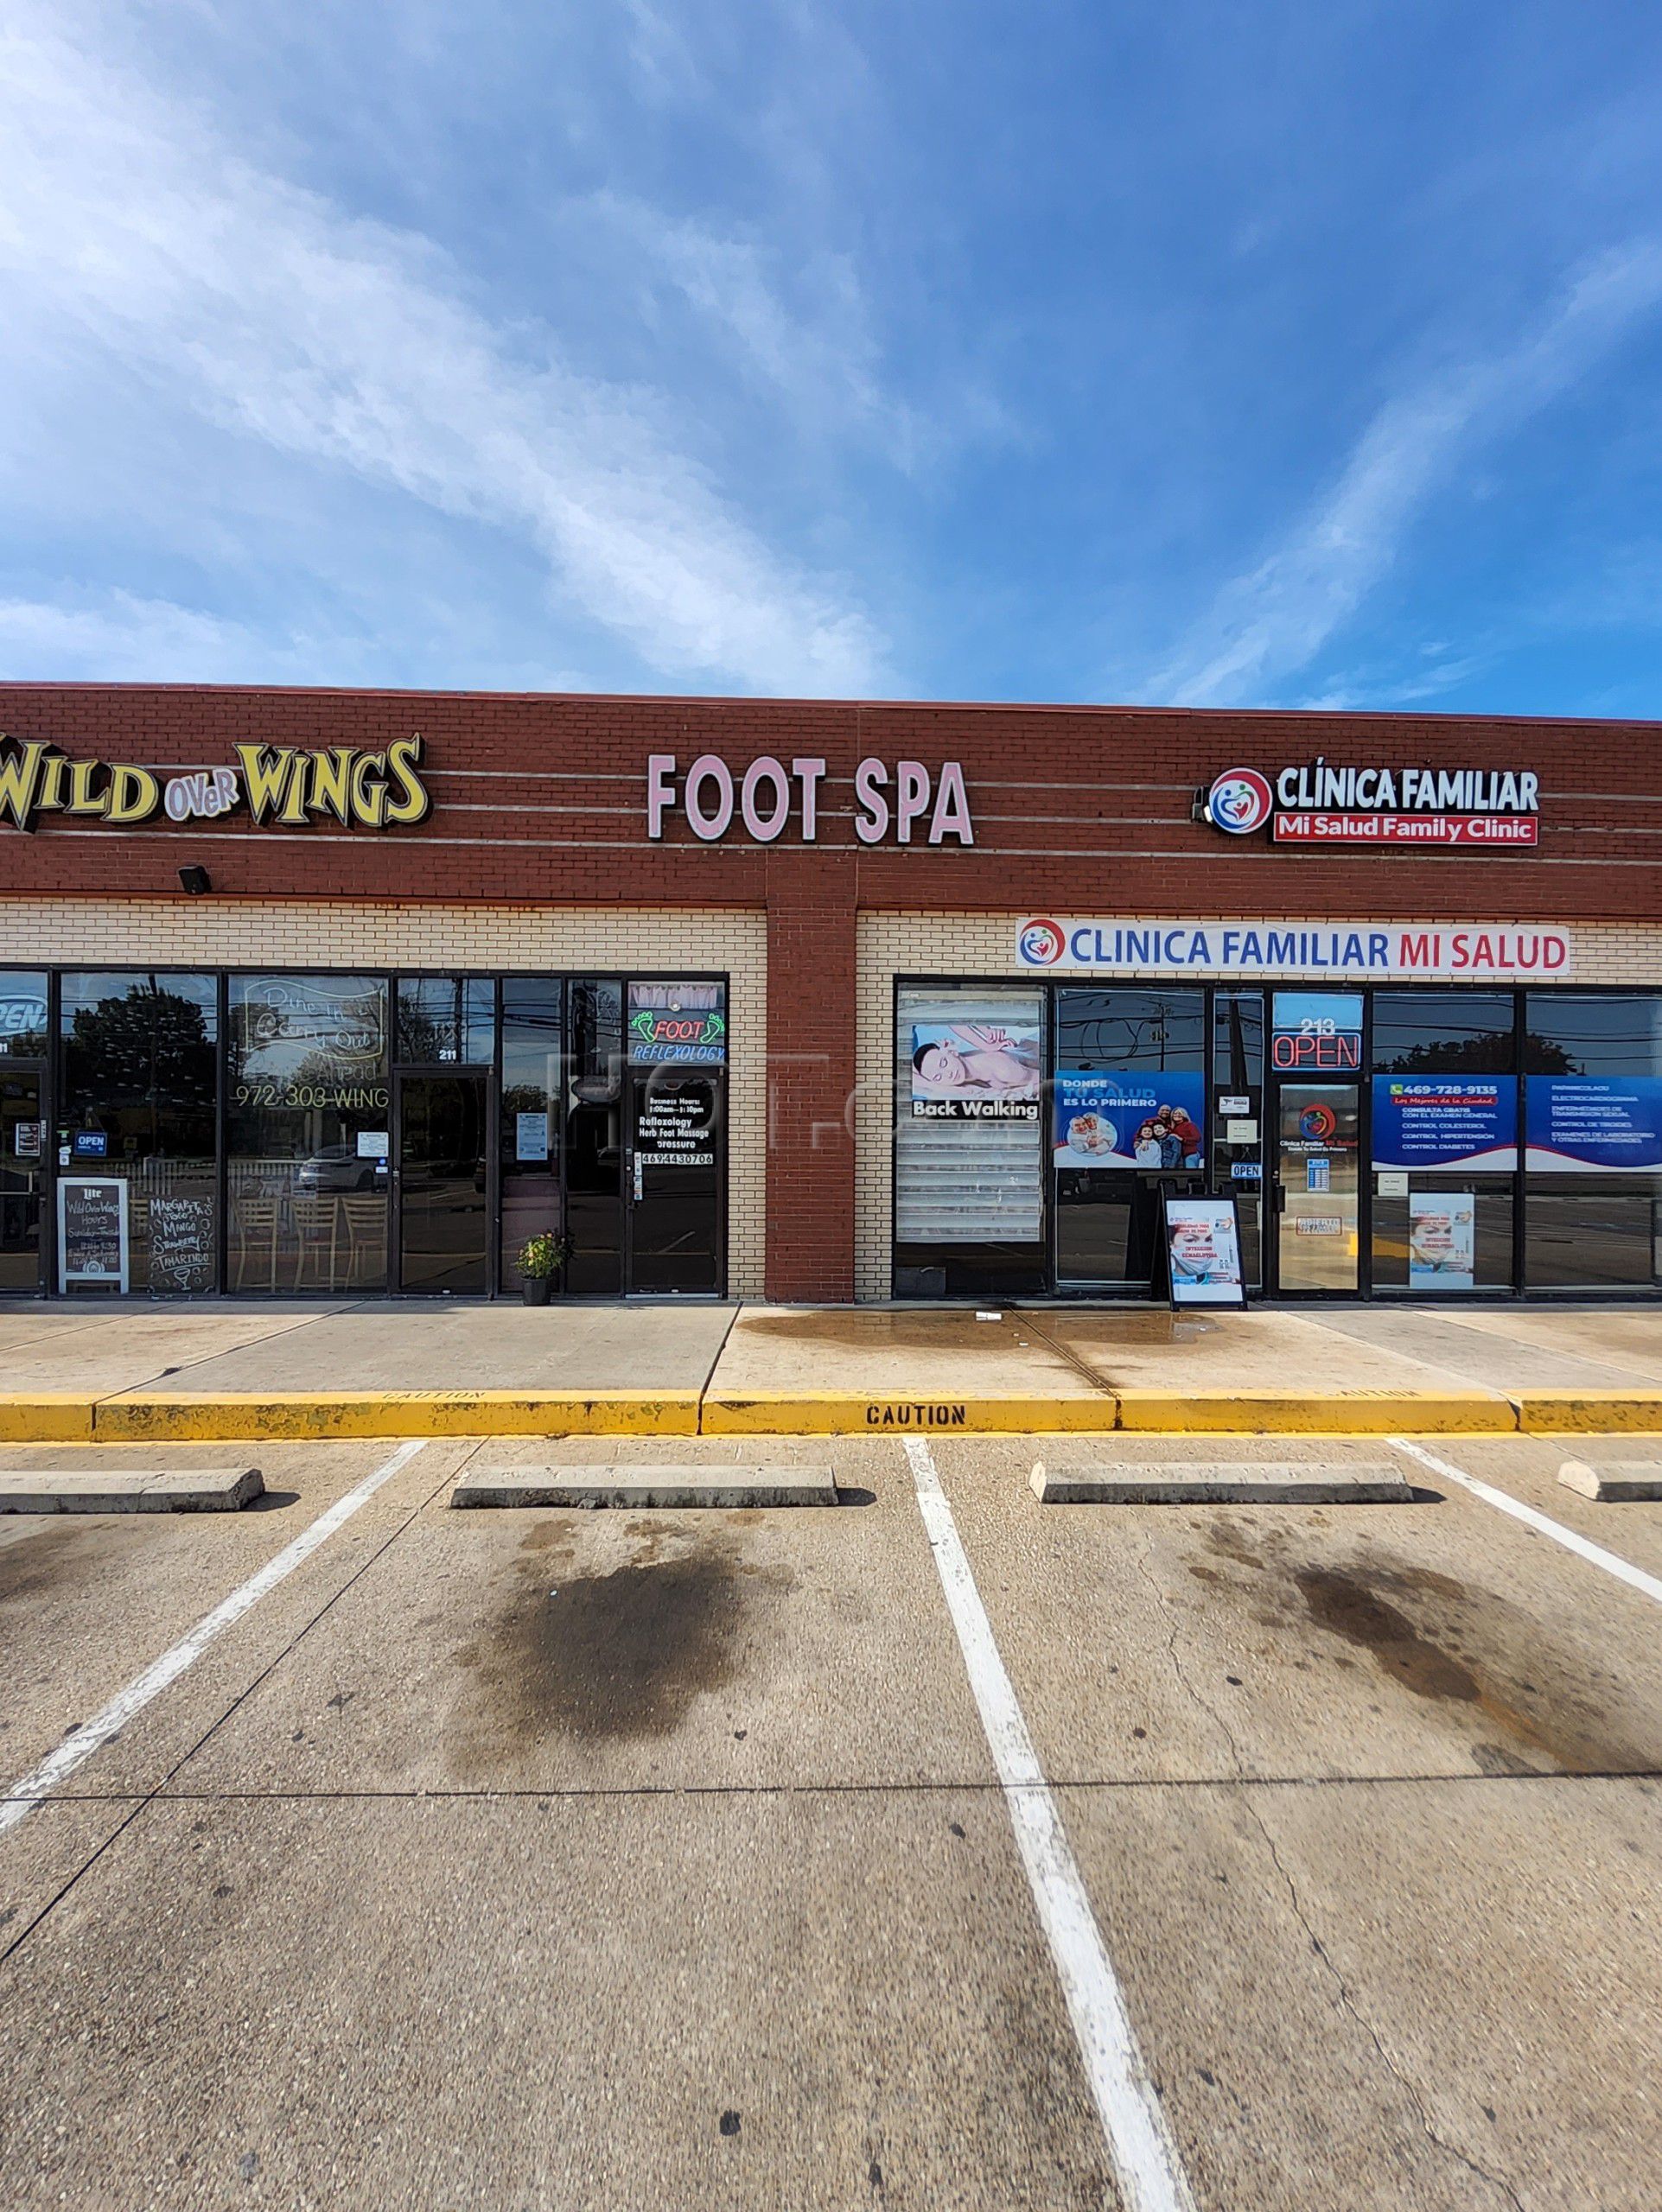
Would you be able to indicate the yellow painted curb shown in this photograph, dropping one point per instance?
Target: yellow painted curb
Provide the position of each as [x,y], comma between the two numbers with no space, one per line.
[139,1417]
[51,1417]
[841,1413]
[1317,1413]
[1595,1412]
[156,1417]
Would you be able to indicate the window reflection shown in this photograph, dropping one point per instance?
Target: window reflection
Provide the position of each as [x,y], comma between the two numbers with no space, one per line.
[140,1068]
[308,1170]
[23,1015]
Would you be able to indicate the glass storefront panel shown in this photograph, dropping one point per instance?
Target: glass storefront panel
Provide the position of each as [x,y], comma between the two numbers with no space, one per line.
[1444,1141]
[22,1128]
[533,1041]
[139,1105]
[1236,1149]
[308,1133]
[1593,1129]
[22,1014]
[1129,1120]
[22,1169]
[444,1019]
[970,1141]
[594,1138]
[1444,1033]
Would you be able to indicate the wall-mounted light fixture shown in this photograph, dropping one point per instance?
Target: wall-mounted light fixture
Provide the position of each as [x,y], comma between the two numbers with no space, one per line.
[195,881]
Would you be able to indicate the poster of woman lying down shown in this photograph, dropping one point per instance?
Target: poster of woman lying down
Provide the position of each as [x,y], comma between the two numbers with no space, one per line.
[969,1072]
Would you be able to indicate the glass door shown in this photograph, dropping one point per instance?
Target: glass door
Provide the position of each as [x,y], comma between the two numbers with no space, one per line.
[676,1181]
[443,1184]
[23,1148]
[675,1171]
[1318,1129]
[592,1140]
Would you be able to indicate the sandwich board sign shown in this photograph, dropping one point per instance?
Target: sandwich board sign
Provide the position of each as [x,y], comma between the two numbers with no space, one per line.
[1203,1252]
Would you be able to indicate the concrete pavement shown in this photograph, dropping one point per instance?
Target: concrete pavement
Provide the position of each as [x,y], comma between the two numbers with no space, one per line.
[192,1372]
[553,1858]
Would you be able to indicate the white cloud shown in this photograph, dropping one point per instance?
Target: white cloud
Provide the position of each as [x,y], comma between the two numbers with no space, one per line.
[809,339]
[353,346]
[1273,619]
[119,638]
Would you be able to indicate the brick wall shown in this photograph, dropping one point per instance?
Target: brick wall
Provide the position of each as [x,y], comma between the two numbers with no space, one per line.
[539,810]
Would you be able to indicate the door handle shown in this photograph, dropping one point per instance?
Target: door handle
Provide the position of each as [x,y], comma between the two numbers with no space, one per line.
[640,1173]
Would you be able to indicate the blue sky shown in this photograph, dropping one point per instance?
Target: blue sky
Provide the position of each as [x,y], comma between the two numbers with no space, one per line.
[1268,356]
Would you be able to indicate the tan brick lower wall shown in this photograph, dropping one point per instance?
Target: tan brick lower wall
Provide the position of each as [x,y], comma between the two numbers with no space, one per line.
[892,944]
[303,934]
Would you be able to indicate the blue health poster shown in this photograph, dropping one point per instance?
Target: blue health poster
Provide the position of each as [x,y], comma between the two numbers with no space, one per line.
[1595,1125]
[1108,1119]
[1446,1121]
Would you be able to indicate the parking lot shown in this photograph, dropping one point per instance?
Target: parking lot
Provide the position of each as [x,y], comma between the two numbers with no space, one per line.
[546,1859]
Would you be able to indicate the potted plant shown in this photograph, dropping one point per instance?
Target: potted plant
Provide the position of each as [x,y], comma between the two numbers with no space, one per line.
[539,1259]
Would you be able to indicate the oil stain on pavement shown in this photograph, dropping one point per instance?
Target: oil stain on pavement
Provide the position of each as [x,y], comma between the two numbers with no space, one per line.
[36,1555]
[618,1652]
[1458,1648]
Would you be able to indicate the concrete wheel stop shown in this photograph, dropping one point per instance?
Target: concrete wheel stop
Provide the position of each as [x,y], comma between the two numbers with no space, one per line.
[1618,1482]
[128,1490]
[1221,1482]
[680,1487]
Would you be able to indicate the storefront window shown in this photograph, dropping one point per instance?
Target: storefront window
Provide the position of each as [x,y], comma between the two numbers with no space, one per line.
[138,1108]
[1237,1118]
[1444,1140]
[22,1132]
[1444,1033]
[594,1138]
[968,1151]
[532,1043]
[23,1015]
[445,1019]
[1593,1127]
[308,1174]
[1129,1119]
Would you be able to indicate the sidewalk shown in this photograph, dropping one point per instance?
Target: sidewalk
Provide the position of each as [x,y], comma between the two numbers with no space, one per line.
[79,1373]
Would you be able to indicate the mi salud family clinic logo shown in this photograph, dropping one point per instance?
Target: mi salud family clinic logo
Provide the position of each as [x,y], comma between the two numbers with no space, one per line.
[1479,809]
[1239,801]
[1043,943]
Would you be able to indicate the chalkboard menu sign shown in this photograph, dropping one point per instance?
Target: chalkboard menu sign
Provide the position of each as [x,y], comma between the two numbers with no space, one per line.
[181,1244]
[91,1230]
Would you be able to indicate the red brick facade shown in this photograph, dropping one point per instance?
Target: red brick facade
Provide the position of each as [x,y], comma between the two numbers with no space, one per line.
[542,800]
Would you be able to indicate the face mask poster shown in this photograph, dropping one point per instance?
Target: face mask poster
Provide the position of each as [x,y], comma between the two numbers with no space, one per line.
[975,1071]
[1107,1119]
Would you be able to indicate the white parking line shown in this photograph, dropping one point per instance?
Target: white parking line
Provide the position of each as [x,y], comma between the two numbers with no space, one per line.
[1623,1569]
[22,1797]
[1145,2157]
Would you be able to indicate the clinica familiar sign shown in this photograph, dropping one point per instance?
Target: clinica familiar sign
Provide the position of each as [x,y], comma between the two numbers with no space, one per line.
[1393,951]
[1324,802]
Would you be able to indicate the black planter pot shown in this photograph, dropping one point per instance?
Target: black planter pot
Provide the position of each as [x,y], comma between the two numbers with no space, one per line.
[534,1289]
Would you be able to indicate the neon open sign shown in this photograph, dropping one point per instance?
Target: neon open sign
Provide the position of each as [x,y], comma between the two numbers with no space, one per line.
[1317,1043]
[1316,1032]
